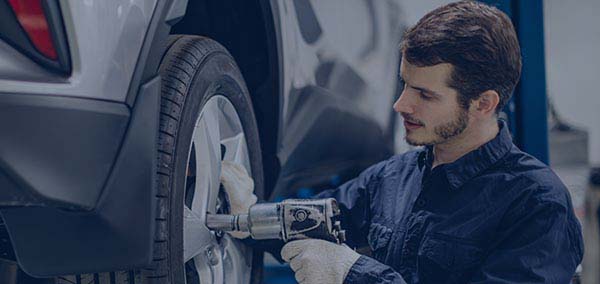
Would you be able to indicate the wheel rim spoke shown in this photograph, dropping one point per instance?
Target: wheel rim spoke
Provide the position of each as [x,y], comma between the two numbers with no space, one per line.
[209,273]
[234,138]
[236,257]
[197,237]
[218,125]
[208,158]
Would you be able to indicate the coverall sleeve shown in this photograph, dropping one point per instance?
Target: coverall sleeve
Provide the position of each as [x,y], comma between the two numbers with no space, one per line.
[545,246]
[354,199]
[368,270]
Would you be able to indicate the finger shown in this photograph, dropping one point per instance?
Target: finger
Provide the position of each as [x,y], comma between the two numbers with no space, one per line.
[245,178]
[289,251]
[296,263]
[252,199]
[300,276]
[232,169]
[238,169]
[250,182]
[292,249]
[225,171]
[236,175]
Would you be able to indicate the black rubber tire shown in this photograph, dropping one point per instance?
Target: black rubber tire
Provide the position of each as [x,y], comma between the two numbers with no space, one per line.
[193,70]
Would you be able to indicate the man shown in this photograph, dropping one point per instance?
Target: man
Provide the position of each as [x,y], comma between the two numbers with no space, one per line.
[468,208]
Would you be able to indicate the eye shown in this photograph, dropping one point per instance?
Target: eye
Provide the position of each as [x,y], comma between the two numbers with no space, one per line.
[424,95]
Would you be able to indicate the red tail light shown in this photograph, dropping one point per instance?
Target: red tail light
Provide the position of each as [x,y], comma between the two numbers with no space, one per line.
[30,15]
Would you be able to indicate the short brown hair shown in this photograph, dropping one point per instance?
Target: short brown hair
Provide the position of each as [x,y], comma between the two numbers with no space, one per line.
[478,40]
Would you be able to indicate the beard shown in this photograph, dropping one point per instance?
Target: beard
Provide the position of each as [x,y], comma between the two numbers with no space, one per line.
[445,131]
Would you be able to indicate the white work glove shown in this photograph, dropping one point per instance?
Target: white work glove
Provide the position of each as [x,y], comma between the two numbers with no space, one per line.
[319,261]
[239,188]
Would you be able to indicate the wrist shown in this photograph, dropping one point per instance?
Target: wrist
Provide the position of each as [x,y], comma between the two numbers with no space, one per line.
[349,261]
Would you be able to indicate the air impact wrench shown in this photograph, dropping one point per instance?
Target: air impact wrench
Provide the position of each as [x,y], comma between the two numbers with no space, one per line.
[291,219]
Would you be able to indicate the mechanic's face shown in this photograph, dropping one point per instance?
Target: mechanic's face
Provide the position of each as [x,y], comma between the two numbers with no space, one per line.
[432,114]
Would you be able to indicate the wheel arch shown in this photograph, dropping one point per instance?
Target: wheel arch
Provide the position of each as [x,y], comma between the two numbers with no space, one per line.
[248,30]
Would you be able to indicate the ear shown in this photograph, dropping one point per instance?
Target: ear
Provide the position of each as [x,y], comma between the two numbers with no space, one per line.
[486,103]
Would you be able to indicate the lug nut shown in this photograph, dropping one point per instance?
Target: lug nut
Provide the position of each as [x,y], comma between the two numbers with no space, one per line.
[211,256]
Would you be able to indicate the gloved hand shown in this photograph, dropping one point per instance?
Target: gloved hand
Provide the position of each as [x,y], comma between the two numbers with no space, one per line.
[239,188]
[319,261]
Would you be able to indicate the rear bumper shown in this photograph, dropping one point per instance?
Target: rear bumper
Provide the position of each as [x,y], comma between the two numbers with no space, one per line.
[57,151]
[77,180]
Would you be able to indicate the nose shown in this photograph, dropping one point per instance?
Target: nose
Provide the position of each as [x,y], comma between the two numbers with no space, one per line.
[403,104]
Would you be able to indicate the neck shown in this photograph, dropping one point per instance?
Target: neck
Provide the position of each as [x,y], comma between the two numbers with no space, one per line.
[471,139]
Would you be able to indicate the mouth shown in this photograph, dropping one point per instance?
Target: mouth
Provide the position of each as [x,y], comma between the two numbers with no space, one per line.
[411,125]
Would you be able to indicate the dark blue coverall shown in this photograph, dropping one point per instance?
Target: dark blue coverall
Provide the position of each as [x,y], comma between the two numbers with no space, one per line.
[496,215]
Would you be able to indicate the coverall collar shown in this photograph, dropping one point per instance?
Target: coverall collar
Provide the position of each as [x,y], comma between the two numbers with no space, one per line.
[474,162]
